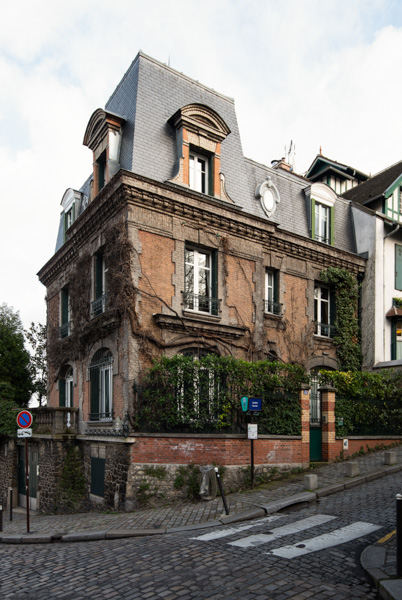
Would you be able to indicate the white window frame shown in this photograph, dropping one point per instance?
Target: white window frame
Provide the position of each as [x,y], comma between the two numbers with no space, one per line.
[322,219]
[105,375]
[269,291]
[197,268]
[323,328]
[69,393]
[198,172]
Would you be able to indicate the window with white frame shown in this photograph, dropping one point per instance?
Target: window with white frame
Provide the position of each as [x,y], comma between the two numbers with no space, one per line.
[198,172]
[322,311]
[98,305]
[322,223]
[272,306]
[200,281]
[101,378]
[66,392]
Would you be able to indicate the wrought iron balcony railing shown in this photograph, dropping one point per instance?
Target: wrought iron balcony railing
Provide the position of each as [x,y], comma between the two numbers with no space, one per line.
[205,304]
[64,330]
[273,308]
[98,306]
[324,329]
[101,416]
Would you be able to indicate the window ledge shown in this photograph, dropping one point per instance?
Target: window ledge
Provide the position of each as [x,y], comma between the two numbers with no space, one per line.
[268,315]
[200,315]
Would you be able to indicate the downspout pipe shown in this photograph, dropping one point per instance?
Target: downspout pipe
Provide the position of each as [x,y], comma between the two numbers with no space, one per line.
[397,226]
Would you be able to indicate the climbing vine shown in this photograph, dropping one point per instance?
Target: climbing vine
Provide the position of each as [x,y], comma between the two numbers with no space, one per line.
[346,338]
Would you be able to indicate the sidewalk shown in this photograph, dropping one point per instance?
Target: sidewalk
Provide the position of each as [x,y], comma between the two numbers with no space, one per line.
[379,560]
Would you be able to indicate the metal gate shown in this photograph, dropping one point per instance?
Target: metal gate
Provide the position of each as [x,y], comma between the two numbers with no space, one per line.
[315,421]
[33,455]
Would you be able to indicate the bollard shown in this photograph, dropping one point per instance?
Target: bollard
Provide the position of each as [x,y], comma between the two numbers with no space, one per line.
[221,491]
[1,517]
[11,503]
[399,535]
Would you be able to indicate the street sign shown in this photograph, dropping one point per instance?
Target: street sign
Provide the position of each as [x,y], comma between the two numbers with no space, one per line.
[244,403]
[24,433]
[24,419]
[255,404]
[252,431]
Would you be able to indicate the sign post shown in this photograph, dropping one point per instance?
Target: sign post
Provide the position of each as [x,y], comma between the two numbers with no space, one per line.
[24,422]
[252,406]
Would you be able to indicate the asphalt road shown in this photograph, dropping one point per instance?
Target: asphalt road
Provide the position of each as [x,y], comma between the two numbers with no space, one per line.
[291,556]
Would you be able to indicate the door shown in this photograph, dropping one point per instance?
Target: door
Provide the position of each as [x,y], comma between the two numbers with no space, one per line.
[315,421]
[33,455]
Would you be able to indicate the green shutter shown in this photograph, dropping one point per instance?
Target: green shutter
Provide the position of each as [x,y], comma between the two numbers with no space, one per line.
[312,219]
[71,394]
[398,267]
[94,378]
[98,276]
[332,225]
[332,310]
[64,306]
[214,281]
[276,286]
[62,392]
[393,339]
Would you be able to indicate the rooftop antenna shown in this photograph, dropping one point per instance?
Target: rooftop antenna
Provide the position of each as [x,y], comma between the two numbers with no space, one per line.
[290,154]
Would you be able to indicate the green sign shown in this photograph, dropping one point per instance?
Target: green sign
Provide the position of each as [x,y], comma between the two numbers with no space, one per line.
[244,403]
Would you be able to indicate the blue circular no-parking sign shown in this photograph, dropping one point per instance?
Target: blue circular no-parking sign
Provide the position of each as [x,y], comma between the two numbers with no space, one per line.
[24,419]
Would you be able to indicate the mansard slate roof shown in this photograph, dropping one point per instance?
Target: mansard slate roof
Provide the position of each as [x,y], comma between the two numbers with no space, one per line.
[376,186]
[150,93]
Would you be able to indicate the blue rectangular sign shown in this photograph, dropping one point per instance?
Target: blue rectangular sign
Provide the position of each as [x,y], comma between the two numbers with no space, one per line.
[255,404]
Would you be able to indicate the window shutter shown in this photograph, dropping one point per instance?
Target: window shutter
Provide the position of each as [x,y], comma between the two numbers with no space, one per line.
[276,286]
[94,378]
[332,225]
[393,339]
[98,276]
[210,182]
[312,219]
[71,384]
[64,306]
[62,392]
[398,267]
[332,310]
[214,281]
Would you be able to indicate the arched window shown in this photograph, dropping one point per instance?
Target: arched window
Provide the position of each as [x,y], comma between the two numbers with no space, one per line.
[101,381]
[66,387]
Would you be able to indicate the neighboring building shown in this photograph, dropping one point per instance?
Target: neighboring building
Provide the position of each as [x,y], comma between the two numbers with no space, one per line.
[338,176]
[178,244]
[377,214]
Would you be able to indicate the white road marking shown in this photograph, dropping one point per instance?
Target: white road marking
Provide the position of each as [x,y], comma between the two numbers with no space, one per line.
[215,535]
[264,538]
[339,536]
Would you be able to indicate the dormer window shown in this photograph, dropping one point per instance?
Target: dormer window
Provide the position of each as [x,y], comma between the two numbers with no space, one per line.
[321,208]
[103,137]
[200,132]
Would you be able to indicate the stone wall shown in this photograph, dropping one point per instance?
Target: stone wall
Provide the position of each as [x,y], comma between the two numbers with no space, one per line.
[8,471]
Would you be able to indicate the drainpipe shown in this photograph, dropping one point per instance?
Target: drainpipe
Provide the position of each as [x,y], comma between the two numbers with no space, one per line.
[395,230]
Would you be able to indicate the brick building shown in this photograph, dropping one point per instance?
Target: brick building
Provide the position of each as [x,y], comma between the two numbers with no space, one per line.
[177,243]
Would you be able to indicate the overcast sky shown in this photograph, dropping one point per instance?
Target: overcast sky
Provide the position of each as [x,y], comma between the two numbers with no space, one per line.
[319,72]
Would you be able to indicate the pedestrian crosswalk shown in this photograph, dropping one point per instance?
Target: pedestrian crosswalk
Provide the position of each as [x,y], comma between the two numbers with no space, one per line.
[335,537]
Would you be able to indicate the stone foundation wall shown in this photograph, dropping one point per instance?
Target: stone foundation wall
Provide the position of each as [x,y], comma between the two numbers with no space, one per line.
[8,471]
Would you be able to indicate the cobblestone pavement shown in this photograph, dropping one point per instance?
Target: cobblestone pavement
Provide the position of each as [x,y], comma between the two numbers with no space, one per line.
[191,513]
[177,566]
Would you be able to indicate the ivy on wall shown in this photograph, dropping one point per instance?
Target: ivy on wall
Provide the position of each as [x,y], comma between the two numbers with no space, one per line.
[180,394]
[347,335]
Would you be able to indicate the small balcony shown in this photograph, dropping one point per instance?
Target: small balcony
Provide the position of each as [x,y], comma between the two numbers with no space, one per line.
[55,420]
[204,304]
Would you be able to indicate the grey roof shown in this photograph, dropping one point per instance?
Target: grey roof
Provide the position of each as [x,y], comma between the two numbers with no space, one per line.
[150,93]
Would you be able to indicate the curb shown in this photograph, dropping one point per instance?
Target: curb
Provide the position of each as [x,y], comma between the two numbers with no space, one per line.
[259,511]
[372,560]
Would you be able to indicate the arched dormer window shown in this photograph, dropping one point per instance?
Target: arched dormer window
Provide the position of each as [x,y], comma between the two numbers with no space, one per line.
[103,137]
[199,134]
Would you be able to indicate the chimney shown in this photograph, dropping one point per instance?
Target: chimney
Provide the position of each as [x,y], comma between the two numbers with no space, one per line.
[281,164]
